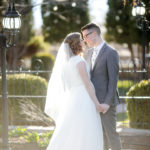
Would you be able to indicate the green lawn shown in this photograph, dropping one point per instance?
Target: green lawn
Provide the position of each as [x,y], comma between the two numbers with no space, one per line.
[123,118]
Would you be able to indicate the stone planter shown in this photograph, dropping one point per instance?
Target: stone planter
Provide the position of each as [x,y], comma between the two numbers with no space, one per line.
[136,139]
[25,146]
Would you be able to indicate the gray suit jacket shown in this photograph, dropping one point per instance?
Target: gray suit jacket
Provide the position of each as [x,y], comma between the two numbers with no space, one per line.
[104,75]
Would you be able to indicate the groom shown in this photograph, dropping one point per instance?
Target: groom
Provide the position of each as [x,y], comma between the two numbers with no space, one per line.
[104,62]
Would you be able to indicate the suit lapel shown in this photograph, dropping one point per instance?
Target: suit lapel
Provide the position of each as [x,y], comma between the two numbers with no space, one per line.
[99,55]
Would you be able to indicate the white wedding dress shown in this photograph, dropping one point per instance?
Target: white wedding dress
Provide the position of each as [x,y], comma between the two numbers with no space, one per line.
[78,125]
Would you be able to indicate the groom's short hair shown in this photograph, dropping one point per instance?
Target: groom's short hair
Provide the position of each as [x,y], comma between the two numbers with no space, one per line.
[90,26]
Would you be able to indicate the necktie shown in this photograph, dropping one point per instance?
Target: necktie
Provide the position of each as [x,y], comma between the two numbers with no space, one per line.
[94,54]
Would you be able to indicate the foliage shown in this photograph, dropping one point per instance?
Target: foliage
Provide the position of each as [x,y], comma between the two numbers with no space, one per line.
[24,85]
[56,24]
[38,41]
[26,31]
[123,117]
[41,139]
[139,109]
[19,131]
[15,54]
[32,137]
[42,61]
[124,86]
[45,139]
[1,10]
[36,44]
[121,25]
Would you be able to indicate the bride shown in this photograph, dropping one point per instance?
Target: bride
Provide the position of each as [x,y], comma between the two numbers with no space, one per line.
[71,101]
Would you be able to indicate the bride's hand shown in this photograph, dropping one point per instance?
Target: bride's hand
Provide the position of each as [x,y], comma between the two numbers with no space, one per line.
[99,107]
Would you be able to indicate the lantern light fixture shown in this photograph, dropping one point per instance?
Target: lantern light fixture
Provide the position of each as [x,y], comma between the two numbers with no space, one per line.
[138,9]
[11,20]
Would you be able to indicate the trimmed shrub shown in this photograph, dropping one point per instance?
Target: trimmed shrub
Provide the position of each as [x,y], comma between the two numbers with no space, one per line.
[24,85]
[139,109]
[124,86]
[44,62]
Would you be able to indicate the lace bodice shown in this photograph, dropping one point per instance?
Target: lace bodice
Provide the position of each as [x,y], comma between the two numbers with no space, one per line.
[71,75]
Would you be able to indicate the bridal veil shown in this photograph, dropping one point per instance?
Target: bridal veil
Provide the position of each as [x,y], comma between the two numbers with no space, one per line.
[56,85]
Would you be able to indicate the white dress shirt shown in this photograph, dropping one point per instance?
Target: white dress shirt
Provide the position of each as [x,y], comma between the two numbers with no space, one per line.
[95,53]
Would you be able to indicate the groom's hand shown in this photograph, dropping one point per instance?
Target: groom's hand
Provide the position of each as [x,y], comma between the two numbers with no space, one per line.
[99,108]
[105,108]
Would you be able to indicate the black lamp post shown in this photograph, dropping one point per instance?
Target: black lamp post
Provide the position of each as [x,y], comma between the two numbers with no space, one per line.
[11,23]
[139,11]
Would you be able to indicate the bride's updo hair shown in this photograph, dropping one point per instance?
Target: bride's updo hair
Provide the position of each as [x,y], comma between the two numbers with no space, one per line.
[73,39]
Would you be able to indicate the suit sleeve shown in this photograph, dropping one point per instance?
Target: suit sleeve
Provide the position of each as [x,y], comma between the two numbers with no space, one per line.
[113,70]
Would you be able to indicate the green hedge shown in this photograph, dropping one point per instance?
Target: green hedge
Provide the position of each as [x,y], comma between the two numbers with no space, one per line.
[124,86]
[24,85]
[42,61]
[139,109]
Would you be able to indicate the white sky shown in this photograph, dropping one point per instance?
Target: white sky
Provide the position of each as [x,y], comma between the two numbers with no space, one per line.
[98,9]
[37,14]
